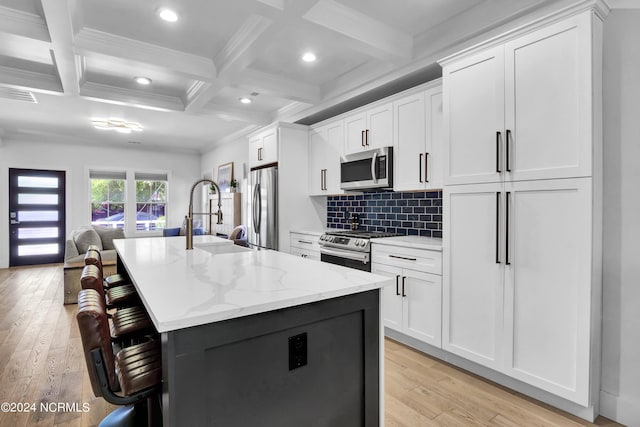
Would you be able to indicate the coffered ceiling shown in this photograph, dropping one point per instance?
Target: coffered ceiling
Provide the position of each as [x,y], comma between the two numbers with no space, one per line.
[64,62]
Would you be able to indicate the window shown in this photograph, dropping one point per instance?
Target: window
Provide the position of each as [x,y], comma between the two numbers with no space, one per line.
[151,201]
[108,198]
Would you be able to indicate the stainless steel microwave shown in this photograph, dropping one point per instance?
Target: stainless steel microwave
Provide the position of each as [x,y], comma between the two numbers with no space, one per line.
[368,170]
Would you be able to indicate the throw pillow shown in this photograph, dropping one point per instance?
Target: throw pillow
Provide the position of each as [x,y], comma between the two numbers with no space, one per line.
[86,237]
[107,234]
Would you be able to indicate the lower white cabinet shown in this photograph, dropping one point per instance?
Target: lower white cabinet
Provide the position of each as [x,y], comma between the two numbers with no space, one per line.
[518,280]
[413,304]
[305,245]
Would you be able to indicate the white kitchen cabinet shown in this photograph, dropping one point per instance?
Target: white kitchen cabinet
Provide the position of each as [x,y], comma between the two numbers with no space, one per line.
[263,148]
[522,231]
[418,140]
[517,280]
[413,305]
[305,245]
[523,109]
[369,129]
[325,149]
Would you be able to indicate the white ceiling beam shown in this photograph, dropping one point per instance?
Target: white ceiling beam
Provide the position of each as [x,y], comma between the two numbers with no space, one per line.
[58,15]
[276,85]
[238,114]
[132,98]
[23,24]
[377,38]
[89,41]
[200,93]
[24,48]
[245,43]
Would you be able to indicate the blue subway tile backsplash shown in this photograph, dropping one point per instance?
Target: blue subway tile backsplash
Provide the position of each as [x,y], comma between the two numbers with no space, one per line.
[410,213]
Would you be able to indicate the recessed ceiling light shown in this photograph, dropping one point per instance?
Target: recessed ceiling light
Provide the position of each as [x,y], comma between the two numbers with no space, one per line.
[246,100]
[142,80]
[168,15]
[308,57]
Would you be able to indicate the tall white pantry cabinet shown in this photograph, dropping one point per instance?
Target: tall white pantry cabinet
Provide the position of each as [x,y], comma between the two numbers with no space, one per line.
[522,208]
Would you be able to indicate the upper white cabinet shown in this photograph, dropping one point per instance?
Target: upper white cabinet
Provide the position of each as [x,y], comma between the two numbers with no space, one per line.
[523,109]
[263,148]
[325,149]
[369,129]
[418,141]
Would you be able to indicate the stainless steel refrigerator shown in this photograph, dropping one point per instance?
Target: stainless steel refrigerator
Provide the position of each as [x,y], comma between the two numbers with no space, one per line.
[263,208]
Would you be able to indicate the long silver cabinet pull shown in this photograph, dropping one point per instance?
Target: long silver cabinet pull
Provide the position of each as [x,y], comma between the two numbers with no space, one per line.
[305,241]
[498,133]
[403,293]
[497,227]
[426,167]
[508,143]
[402,257]
[420,168]
[506,245]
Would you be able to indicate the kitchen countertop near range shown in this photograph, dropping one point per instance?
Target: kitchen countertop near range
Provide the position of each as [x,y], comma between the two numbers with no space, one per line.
[417,242]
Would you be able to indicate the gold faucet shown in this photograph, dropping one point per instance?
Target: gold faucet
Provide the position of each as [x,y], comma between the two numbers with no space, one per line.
[189,218]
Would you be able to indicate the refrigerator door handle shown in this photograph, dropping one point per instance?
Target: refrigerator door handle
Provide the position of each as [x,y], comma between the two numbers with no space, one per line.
[253,209]
[259,208]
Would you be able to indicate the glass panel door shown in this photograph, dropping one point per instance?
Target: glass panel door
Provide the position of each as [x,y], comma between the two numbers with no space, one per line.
[36,216]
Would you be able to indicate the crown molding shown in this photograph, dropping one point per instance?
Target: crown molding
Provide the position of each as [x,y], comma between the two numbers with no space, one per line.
[24,24]
[133,98]
[29,80]
[88,41]
[623,4]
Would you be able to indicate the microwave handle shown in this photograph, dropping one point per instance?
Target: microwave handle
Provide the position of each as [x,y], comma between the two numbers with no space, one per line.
[373,167]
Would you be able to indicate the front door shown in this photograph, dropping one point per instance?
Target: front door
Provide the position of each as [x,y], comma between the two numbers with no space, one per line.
[36,216]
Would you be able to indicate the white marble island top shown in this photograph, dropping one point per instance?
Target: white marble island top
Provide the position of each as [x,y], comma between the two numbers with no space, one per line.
[181,288]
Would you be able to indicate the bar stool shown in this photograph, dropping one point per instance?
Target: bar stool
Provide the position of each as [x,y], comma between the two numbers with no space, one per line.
[120,296]
[135,372]
[93,256]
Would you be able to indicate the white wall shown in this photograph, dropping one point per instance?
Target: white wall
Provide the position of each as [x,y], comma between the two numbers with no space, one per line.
[236,152]
[76,160]
[620,396]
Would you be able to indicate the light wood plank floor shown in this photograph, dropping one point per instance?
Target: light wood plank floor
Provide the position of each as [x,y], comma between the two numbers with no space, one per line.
[41,360]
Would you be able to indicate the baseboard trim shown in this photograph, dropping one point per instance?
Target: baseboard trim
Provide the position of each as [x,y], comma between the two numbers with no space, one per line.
[620,410]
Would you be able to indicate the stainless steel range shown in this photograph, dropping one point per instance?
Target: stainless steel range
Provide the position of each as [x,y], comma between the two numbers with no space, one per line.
[349,248]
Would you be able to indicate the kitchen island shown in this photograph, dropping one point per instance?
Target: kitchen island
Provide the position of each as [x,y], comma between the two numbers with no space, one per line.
[259,337]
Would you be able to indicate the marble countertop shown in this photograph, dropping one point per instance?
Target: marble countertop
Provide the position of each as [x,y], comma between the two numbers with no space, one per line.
[417,242]
[218,281]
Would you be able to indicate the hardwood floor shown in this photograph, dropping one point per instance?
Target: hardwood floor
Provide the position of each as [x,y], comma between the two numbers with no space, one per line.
[41,361]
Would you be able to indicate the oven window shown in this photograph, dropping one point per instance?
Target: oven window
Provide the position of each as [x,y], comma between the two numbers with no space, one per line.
[332,259]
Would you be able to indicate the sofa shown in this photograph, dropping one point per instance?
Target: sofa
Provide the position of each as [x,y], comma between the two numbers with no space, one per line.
[75,249]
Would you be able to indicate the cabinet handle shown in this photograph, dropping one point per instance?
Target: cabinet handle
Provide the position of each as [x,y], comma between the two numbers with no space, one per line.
[420,168]
[426,167]
[507,148]
[506,245]
[259,153]
[498,133]
[325,179]
[497,227]
[403,293]
[397,282]
[401,257]
[366,137]
[362,138]
[305,241]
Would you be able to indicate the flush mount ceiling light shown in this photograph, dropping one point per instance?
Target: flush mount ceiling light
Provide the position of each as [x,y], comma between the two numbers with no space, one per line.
[167,15]
[142,80]
[246,100]
[118,125]
[309,57]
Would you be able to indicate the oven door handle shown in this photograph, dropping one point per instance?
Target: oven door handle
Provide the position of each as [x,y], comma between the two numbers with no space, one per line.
[356,256]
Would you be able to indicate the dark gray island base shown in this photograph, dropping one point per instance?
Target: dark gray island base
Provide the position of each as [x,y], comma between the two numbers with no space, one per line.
[237,372]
